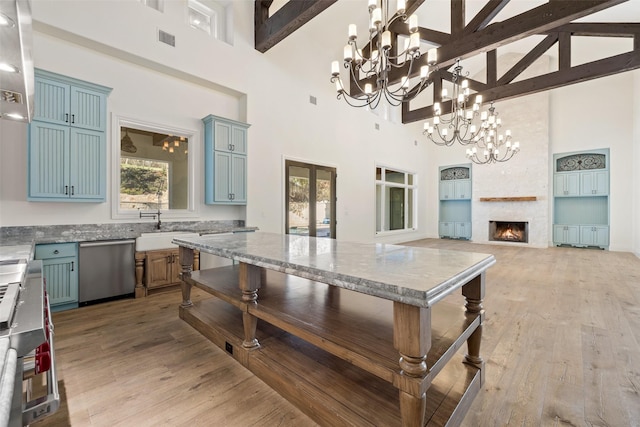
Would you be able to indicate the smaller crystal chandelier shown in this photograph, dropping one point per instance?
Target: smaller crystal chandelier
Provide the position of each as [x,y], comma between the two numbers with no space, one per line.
[494,147]
[382,60]
[459,122]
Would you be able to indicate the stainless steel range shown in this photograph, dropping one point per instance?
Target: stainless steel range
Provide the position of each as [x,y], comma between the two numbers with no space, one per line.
[26,344]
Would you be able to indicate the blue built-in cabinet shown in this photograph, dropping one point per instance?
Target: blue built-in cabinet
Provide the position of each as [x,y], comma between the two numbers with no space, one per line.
[67,140]
[455,202]
[60,272]
[225,161]
[581,198]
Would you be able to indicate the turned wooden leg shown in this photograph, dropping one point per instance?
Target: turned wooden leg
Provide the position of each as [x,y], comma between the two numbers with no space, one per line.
[186,261]
[250,280]
[196,260]
[412,339]
[474,294]
[140,290]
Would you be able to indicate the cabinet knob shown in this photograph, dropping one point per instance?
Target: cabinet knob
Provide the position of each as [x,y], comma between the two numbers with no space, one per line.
[56,252]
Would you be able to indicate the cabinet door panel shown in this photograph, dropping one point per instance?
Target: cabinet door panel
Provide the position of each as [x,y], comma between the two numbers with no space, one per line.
[222,178]
[447,191]
[87,109]
[238,178]
[222,136]
[51,101]
[61,276]
[239,140]
[463,230]
[446,229]
[462,189]
[87,171]
[48,160]
[158,270]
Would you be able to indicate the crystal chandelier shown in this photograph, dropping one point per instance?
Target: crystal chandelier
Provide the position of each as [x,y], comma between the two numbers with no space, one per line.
[489,146]
[459,122]
[383,58]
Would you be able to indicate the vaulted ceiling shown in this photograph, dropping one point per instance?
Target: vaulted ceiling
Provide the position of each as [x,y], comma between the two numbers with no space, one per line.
[557,23]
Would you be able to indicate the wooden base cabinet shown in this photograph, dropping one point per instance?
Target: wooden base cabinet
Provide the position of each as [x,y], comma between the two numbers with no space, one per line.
[157,269]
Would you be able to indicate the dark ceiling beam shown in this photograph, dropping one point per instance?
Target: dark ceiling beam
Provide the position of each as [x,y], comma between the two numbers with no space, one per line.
[528,59]
[600,29]
[270,30]
[580,73]
[485,16]
[537,20]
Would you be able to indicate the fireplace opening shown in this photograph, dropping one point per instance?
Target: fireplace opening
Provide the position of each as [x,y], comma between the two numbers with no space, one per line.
[509,231]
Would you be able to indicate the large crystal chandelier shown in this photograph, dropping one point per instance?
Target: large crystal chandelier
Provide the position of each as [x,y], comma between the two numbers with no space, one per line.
[489,145]
[382,57]
[458,125]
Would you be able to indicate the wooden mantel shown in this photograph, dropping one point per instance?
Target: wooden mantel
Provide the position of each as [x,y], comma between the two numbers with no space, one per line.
[509,199]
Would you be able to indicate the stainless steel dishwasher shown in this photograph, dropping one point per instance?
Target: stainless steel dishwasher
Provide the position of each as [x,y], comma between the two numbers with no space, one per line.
[106,270]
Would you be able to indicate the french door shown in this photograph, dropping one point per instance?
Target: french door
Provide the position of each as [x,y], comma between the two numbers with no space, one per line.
[310,203]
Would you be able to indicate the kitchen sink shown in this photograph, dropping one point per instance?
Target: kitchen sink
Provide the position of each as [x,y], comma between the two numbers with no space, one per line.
[160,240]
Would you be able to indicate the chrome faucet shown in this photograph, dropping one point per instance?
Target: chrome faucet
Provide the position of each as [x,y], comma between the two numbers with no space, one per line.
[154,214]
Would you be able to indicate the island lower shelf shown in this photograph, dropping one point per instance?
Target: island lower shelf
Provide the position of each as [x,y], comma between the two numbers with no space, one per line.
[320,344]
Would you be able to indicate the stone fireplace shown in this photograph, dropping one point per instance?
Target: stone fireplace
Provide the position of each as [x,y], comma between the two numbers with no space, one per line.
[509,231]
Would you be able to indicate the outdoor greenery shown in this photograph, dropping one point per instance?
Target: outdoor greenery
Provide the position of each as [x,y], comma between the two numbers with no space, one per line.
[136,179]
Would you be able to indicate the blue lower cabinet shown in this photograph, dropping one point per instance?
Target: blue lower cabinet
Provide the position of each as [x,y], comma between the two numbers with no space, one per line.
[60,271]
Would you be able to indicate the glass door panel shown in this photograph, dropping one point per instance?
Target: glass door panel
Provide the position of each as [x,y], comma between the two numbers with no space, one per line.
[311,197]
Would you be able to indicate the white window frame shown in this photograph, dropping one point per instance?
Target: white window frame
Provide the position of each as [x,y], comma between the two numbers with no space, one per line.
[217,13]
[154,4]
[410,208]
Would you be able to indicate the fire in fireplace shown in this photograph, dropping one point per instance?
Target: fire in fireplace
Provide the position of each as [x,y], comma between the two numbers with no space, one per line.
[509,231]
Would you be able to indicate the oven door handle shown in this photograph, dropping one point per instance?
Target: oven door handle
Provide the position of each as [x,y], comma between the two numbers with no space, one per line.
[45,405]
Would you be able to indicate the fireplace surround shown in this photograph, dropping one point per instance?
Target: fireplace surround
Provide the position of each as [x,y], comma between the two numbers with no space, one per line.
[509,231]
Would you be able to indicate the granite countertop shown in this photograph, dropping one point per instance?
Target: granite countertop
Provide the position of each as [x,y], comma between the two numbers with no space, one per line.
[14,241]
[412,275]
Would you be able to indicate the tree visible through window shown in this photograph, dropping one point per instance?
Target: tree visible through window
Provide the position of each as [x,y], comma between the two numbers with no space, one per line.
[144,183]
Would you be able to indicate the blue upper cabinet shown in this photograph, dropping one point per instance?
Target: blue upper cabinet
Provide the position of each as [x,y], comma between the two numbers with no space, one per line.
[225,150]
[67,140]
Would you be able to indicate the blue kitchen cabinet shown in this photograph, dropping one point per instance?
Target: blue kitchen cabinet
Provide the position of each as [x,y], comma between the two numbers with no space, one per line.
[67,140]
[455,202]
[225,143]
[60,272]
[581,198]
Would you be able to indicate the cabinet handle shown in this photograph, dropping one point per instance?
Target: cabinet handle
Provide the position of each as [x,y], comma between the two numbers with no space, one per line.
[233,147]
[72,190]
[73,118]
[72,265]
[66,190]
[229,147]
[66,117]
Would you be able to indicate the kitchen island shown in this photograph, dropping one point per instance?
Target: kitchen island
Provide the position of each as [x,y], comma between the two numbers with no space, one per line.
[352,334]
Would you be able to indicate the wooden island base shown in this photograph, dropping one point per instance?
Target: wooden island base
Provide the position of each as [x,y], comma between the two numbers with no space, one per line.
[330,352]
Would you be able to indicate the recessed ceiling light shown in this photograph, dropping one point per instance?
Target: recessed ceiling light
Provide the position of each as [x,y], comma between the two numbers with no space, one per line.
[8,68]
[15,116]
[5,21]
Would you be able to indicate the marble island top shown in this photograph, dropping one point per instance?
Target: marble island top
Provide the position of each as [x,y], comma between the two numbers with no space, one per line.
[412,275]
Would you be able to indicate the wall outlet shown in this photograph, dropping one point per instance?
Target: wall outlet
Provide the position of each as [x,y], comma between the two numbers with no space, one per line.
[228,347]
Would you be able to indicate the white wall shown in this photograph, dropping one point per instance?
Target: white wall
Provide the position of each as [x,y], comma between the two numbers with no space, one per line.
[600,114]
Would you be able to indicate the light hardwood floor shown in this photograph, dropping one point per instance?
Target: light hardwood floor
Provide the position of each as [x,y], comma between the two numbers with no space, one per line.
[561,344]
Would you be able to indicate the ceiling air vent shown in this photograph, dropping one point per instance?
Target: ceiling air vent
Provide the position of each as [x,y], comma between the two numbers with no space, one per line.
[10,96]
[167,38]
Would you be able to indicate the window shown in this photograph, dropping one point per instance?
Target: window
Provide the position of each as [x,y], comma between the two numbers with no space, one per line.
[208,16]
[144,183]
[154,4]
[396,194]
[153,169]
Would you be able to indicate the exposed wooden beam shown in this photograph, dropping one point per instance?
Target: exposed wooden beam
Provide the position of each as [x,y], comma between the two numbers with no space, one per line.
[528,59]
[484,17]
[457,18]
[600,29]
[292,15]
[580,73]
[537,20]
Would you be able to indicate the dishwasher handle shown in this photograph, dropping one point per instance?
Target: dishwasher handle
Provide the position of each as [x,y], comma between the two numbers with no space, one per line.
[106,243]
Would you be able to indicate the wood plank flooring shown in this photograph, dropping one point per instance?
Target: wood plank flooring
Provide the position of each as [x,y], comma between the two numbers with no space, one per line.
[561,344]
